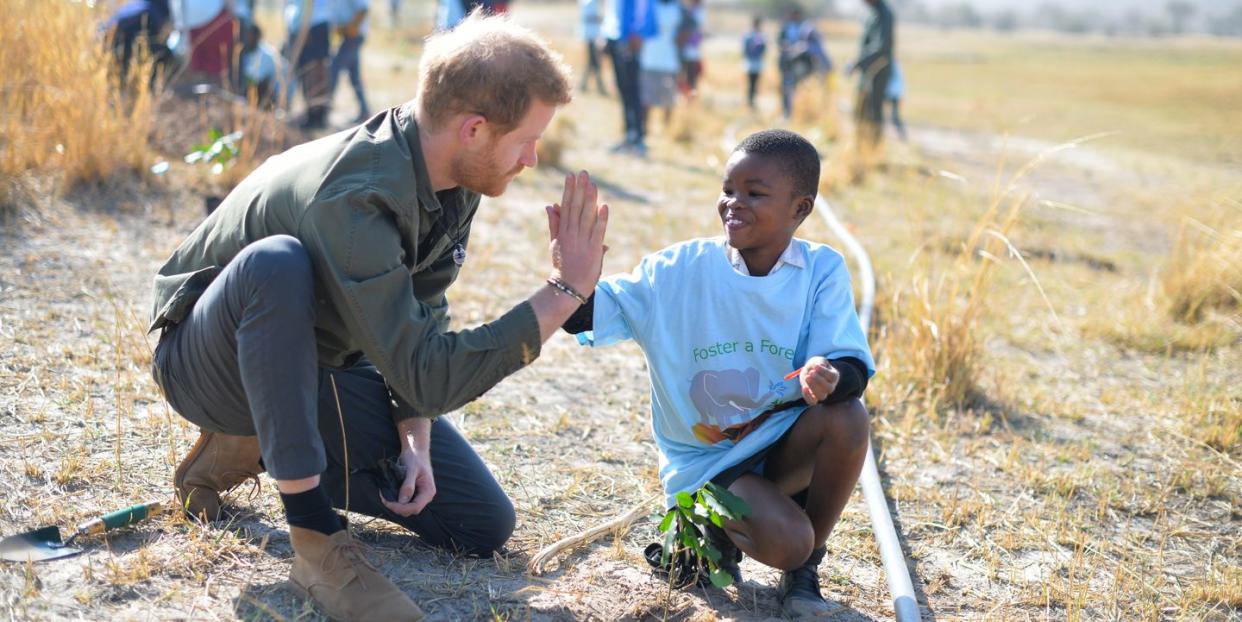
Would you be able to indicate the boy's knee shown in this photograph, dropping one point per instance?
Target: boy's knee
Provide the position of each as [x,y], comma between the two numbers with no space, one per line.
[846,423]
[796,545]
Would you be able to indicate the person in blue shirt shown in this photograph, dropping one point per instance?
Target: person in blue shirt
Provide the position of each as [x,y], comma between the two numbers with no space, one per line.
[308,23]
[722,323]
[802,54]
[350,18]
[258,67]
[754,45]
[627,23]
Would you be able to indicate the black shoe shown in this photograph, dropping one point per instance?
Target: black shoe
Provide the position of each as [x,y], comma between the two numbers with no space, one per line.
[800,596]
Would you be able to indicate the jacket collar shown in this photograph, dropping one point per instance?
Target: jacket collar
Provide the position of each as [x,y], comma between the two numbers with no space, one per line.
[408,126]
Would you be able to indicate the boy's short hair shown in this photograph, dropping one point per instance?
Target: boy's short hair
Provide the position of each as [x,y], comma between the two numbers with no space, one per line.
[490,66]
[796,155]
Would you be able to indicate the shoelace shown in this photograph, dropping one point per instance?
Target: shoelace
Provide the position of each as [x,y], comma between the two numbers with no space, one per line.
[352,553]
[233,479]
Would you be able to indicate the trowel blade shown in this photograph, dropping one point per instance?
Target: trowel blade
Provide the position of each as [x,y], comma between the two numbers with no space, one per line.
[35,546]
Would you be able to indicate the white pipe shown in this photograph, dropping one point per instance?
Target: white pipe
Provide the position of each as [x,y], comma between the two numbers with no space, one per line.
[905,605]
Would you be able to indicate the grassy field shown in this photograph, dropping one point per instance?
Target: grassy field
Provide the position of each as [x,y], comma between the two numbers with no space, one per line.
[1057,411]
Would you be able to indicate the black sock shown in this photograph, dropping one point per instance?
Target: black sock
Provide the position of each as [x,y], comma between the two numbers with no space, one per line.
[311,509]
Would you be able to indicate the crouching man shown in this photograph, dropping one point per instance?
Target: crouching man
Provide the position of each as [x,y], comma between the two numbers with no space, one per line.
[303,325]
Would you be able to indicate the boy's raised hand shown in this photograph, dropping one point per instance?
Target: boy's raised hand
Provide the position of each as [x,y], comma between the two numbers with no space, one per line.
[576,227]
[818,379]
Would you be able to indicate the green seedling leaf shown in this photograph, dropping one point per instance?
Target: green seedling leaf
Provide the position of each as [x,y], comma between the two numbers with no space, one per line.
[736,507]
[214,134]
[710,552]
[721,578]
[668,520]
[684,500]
[670,538]
[690,538]
[193,156]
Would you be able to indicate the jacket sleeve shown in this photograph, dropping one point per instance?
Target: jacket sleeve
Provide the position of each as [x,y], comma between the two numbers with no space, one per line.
[358,257]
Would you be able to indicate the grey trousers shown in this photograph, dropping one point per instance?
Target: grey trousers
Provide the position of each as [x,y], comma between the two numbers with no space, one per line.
[243,362]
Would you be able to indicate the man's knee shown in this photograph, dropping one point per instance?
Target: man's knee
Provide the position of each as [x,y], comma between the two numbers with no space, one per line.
[280,262]
[491,531]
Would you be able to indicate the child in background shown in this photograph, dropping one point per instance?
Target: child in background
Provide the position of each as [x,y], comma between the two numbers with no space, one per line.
[690,43]
[258,67]
[660,60]
[589,28]
[893,93]
[754,45]
[721,322]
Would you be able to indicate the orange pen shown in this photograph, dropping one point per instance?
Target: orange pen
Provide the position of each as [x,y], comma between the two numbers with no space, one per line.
[793,374]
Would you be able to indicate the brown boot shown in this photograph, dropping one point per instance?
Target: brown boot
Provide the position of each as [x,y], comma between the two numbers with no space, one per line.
[332,572]
[215,465]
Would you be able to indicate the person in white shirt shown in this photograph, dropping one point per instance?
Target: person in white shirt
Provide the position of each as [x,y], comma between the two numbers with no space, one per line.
[661,62]
[591,18]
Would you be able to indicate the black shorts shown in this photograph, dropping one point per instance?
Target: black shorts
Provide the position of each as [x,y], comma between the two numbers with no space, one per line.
[752,464]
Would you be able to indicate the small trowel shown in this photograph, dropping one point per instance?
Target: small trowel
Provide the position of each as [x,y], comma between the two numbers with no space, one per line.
[45,543]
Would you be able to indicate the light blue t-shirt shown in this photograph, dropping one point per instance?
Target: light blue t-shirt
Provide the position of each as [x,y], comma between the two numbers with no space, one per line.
[343,12]
[659,53]
[321,12]
[718,345]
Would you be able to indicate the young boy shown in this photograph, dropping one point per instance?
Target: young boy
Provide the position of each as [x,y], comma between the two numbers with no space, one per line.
[721,322]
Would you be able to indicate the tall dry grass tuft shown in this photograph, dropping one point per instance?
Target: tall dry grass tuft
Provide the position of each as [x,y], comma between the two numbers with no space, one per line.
[61,108]
[929,344]
[1204,273]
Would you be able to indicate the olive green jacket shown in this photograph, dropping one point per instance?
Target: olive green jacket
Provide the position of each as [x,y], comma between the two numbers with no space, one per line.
[384,248]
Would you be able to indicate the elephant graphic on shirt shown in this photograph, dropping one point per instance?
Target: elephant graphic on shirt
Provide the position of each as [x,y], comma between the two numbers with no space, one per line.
[726,400]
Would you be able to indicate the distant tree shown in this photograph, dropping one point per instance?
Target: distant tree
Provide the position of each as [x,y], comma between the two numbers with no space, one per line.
[1179,12]
[1133,22]
[962,14]
[1005,21]
[1228,24]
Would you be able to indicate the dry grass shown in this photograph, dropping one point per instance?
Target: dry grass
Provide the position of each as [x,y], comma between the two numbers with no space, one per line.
[61,109]
[1204,274]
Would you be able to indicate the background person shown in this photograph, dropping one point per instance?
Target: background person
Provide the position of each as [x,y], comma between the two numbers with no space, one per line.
[590,17]
[802,53]
[754,46]
[893,93]
[351,21]
[207,25]
[874,67]
[661,62]
[625,27]
[308,47]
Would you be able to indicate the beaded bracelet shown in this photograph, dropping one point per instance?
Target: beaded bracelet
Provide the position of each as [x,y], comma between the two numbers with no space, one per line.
[567,289]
